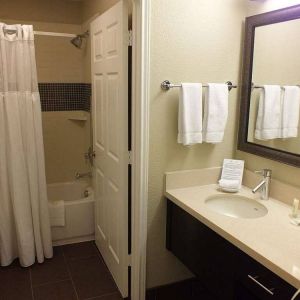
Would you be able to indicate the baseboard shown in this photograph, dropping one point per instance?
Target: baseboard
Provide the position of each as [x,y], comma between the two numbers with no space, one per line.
[74,240]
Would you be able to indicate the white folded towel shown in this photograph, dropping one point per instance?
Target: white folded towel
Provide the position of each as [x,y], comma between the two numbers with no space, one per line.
[290,111]
[57,213]
[268,122]
[215,113]
[232,184]
[190,114]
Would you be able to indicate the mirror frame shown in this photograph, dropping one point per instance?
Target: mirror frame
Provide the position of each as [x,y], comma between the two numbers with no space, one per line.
[277,16]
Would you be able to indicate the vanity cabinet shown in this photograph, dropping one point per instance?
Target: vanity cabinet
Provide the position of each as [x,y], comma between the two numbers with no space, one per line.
[226,271]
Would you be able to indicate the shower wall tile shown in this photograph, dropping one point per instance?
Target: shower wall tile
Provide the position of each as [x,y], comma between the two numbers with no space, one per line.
[57,59]
[65,96]
[65,142]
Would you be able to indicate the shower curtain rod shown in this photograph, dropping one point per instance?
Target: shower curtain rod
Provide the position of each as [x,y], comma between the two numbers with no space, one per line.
[54,34]
[60,34]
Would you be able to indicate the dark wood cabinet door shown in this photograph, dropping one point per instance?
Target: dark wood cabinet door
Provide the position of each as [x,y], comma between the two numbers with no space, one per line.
[204,252]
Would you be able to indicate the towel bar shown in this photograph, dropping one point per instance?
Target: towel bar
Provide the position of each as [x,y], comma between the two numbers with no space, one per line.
[254,86]
[166,85]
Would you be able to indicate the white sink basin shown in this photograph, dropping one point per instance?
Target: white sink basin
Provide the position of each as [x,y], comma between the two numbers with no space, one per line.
[236,206]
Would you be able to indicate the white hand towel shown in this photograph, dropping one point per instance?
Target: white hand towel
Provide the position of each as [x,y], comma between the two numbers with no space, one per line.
[229,184]
[290,111]
[190,114]
[268,122]
[215,113]
[57,213]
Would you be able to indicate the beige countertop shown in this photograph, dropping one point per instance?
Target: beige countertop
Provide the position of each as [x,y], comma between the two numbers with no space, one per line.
[271,240]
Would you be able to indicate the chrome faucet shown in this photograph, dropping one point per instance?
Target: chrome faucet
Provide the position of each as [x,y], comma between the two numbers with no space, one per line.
[83,175]
[264,185]
[90,155]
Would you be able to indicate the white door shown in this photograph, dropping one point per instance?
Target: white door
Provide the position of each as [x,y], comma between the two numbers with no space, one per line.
[109,46]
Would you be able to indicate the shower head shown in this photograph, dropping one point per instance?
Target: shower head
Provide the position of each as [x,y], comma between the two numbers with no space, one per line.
[77,41]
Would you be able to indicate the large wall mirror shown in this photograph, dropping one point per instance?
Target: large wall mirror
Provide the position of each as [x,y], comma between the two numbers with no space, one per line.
[271,62]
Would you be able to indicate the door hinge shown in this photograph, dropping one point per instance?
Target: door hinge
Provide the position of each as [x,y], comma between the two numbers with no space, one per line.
[129,157]
[130,37]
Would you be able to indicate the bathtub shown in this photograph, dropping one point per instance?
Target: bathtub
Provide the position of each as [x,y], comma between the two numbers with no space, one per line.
[79,211]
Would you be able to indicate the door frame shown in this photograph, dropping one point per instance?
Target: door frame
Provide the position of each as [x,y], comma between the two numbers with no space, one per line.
[140,143]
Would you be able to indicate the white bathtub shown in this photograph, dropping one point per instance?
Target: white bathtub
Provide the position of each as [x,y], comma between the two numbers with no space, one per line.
[79,211]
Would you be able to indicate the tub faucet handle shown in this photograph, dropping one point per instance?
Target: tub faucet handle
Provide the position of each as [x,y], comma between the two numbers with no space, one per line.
[90,155]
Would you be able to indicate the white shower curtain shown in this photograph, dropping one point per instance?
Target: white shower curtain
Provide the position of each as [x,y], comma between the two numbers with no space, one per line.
[24,218]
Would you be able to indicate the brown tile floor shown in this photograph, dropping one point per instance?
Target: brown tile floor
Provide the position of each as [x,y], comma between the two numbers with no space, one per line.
[76,272]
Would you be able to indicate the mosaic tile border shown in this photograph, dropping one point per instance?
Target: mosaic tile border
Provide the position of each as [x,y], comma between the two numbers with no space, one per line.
[65,96]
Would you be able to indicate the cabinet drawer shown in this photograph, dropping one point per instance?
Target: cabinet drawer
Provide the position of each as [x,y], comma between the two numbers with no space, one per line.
[261,281]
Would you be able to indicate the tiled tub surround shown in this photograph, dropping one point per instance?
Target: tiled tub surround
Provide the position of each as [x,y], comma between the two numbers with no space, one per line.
[271,240]
[65,96]
[66,129]
[66,138]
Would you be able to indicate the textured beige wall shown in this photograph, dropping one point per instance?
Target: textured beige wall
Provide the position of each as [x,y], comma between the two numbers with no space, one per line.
[56,11]
[262,6]
[90,8]
[195,42]
[282,172]
[65,143]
